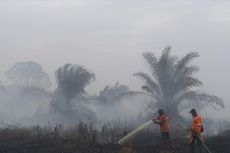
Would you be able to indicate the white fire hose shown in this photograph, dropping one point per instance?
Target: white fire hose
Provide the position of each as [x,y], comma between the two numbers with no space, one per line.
[128,136]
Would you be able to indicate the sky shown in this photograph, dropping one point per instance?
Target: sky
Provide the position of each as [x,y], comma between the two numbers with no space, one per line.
[108,37]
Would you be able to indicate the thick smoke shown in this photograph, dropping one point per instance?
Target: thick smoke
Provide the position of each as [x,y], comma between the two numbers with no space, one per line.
[30,102]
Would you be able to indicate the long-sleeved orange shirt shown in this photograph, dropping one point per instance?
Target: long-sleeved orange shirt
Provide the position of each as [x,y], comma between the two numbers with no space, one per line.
[163,122]
[196,124]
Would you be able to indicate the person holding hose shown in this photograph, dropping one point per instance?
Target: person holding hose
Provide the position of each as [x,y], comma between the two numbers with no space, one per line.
[162,121]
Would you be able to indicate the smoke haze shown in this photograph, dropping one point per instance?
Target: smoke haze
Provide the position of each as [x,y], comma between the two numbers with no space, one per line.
[108,37]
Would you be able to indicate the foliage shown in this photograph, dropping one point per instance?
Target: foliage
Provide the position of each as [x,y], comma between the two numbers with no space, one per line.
[28,74]
[172,82]
[72,79]
[113,94]
[35,91]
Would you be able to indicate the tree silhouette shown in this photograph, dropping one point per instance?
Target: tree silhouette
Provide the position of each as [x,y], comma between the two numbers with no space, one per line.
[172,84]
[72,80]
[113,94]
[28,74]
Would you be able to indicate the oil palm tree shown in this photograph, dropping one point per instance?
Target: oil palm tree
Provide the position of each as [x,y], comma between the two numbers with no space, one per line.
[172,83]
[113,94]
[72,80]
[28,74]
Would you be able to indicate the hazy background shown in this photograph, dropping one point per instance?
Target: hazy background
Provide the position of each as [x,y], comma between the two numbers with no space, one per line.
[108,37]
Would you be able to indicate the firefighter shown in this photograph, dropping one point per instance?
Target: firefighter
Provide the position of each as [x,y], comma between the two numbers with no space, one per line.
[195,131]
[162,121]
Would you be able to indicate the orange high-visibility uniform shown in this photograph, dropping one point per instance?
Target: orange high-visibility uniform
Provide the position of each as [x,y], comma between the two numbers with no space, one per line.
[196,124]
[163,122]
[196,129]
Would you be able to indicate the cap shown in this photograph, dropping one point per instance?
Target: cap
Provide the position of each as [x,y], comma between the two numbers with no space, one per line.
[160,111]
[192,111]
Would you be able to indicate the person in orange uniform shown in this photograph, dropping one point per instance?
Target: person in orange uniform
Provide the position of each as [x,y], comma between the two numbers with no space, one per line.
[162,121]
[196,130]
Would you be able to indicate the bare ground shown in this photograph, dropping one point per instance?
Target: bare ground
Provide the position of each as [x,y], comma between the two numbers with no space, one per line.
[25,141]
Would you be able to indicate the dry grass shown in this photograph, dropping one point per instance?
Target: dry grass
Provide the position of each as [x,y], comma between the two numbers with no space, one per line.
[85,138]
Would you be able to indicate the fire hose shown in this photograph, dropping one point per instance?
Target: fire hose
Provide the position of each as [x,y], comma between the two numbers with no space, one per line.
[135,131]
[128,136]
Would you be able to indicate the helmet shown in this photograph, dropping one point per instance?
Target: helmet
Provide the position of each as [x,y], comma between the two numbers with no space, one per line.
[160,111]
[192,111]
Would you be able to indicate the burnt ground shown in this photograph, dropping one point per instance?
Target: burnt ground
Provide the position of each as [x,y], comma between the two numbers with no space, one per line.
[25,141]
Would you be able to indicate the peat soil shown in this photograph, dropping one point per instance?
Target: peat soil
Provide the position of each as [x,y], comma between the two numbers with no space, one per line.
[21,142]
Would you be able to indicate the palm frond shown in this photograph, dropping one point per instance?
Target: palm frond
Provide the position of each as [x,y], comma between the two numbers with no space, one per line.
[165,69]
[214,101]
[72,79]
[165,55]
[166,51]
[188,82]
[186,60]
[149,81]
[114,94]
[151,61]
[182,84]
[190,70]
[149,90]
